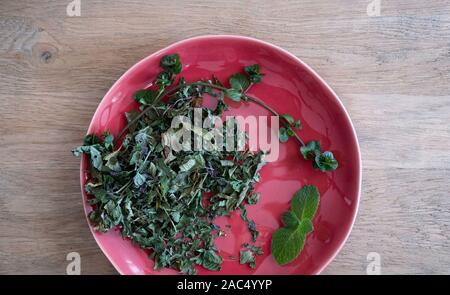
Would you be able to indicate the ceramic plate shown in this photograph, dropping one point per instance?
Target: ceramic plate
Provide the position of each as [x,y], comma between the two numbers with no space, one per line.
[289,86]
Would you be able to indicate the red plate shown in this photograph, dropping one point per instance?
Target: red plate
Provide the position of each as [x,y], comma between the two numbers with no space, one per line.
[289,86]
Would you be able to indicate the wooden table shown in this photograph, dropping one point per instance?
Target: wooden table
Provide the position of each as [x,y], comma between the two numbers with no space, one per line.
[391,71]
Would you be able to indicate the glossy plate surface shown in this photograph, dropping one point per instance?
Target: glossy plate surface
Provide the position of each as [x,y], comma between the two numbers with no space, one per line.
[289,86]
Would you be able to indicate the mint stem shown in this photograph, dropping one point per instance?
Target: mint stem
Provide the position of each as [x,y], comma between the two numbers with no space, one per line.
[256,101]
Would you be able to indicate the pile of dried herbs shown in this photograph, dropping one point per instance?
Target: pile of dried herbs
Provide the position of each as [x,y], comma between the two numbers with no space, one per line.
[166,201]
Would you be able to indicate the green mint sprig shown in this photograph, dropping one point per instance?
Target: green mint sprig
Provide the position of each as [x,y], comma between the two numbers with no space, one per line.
[323,161]
[288,241]
[241,83]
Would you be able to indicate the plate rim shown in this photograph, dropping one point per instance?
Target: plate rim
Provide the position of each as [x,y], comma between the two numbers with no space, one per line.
[309,69]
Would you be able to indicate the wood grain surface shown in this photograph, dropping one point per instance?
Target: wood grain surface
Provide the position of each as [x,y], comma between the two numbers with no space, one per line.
[391,71]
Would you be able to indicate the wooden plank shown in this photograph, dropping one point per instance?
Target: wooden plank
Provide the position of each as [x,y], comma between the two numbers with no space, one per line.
[392,73]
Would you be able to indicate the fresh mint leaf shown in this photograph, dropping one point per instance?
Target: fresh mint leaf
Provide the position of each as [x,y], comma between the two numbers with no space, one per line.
[253,72]
[234,95]
[283,135]
[145,96]
[290,219]
[171,63]
[325,162]
[164,79]
[310,150]
[288,118]
[287,243]
[239,82]
[305,202]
